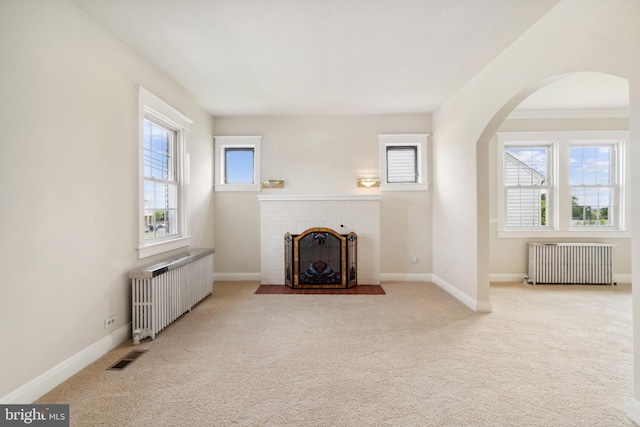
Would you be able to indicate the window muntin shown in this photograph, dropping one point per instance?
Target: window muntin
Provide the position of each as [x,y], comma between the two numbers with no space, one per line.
[402,164]
[526,186]
[593,183]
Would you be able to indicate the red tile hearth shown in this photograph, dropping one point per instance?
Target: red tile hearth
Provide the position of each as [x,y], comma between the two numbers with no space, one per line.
[357,290]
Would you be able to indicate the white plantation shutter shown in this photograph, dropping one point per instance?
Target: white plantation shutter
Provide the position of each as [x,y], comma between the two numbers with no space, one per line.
[402,164]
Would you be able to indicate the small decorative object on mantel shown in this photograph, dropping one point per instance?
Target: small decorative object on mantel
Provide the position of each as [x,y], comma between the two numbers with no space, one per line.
[272,183]
[368,182]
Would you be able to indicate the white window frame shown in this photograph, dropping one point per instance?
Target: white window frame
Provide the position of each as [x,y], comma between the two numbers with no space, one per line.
[559,198]
[221,144]
[614,216]
[153,108]
[420,142]
[551,214]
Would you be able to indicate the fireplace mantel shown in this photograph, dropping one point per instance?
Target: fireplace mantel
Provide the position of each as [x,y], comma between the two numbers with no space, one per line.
[293,197]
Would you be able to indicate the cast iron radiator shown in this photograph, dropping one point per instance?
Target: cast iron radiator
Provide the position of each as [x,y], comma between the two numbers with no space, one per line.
[570,263]
[163,292]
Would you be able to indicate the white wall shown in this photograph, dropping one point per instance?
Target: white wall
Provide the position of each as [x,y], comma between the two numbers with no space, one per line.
[577,35]
[474,113]
[69,170]
[509,256]
[323,155]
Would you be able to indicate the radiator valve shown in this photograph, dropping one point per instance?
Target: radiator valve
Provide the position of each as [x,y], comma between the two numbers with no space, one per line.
[139,335]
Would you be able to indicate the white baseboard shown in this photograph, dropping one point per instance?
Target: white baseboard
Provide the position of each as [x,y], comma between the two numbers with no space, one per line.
[633,411]
[622,278]
[507,277]
[236,277]
[472,303]
[55,376]
[406,277]
[519,277]
[400,277]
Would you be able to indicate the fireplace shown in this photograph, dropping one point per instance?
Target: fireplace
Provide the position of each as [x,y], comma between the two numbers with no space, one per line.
[321,258]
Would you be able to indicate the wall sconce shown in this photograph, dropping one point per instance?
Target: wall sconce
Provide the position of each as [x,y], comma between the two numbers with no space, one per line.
[368,182]
[272,183]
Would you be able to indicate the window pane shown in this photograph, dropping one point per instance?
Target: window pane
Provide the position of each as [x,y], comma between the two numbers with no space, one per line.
[238,166]
[525,166]
[159,152]
[526,207]
[160,209]
[591,165]
[590,206]
[402,164]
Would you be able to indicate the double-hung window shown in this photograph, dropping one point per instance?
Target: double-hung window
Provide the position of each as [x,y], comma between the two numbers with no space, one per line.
[594,184]
[237,163]
[564,183]
[526,175]
[163,166]
[403,162]
[161,181]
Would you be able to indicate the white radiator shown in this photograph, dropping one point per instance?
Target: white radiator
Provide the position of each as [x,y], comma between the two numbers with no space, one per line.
[162,292]
[570,263]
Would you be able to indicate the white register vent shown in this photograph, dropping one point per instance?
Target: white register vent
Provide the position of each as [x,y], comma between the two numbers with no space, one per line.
[570,263]
[163,292]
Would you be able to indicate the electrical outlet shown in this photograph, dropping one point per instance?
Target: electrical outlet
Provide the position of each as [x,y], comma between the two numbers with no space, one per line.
[415,259]
[444,272]
[109,321]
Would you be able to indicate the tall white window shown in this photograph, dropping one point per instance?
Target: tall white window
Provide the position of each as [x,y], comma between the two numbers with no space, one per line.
[237,163]
[561,182]
[163,172]
[526,186]
[594,185]
[403,162]
[161,181]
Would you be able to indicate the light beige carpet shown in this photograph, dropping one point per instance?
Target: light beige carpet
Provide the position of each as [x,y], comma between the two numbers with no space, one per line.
[546,356]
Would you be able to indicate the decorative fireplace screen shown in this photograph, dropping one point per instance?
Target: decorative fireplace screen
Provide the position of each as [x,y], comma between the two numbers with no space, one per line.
[321,258]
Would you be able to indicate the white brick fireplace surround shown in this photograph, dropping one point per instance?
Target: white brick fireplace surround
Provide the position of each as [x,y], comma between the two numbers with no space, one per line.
[295,214]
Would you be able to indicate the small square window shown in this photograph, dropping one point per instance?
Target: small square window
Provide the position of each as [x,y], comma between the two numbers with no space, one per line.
[403,162]
[237,163]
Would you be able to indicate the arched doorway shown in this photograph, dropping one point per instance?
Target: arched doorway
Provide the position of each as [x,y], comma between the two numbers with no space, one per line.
[574,36]
[586,104]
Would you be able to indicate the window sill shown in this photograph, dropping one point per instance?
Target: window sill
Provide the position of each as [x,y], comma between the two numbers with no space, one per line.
[237,187]
[404,187]
[591,234]
[161,247]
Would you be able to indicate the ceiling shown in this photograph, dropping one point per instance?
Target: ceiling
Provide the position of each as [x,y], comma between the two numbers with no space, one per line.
[275,57]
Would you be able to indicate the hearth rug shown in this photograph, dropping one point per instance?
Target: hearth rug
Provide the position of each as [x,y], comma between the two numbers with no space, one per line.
[356,290]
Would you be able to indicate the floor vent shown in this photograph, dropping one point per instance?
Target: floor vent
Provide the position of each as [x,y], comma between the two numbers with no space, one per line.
[126,360]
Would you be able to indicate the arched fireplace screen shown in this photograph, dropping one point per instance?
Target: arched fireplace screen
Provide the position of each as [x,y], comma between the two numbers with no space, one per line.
[320,258]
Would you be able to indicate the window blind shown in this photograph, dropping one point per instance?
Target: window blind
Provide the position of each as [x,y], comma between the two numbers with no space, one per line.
[402,163]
